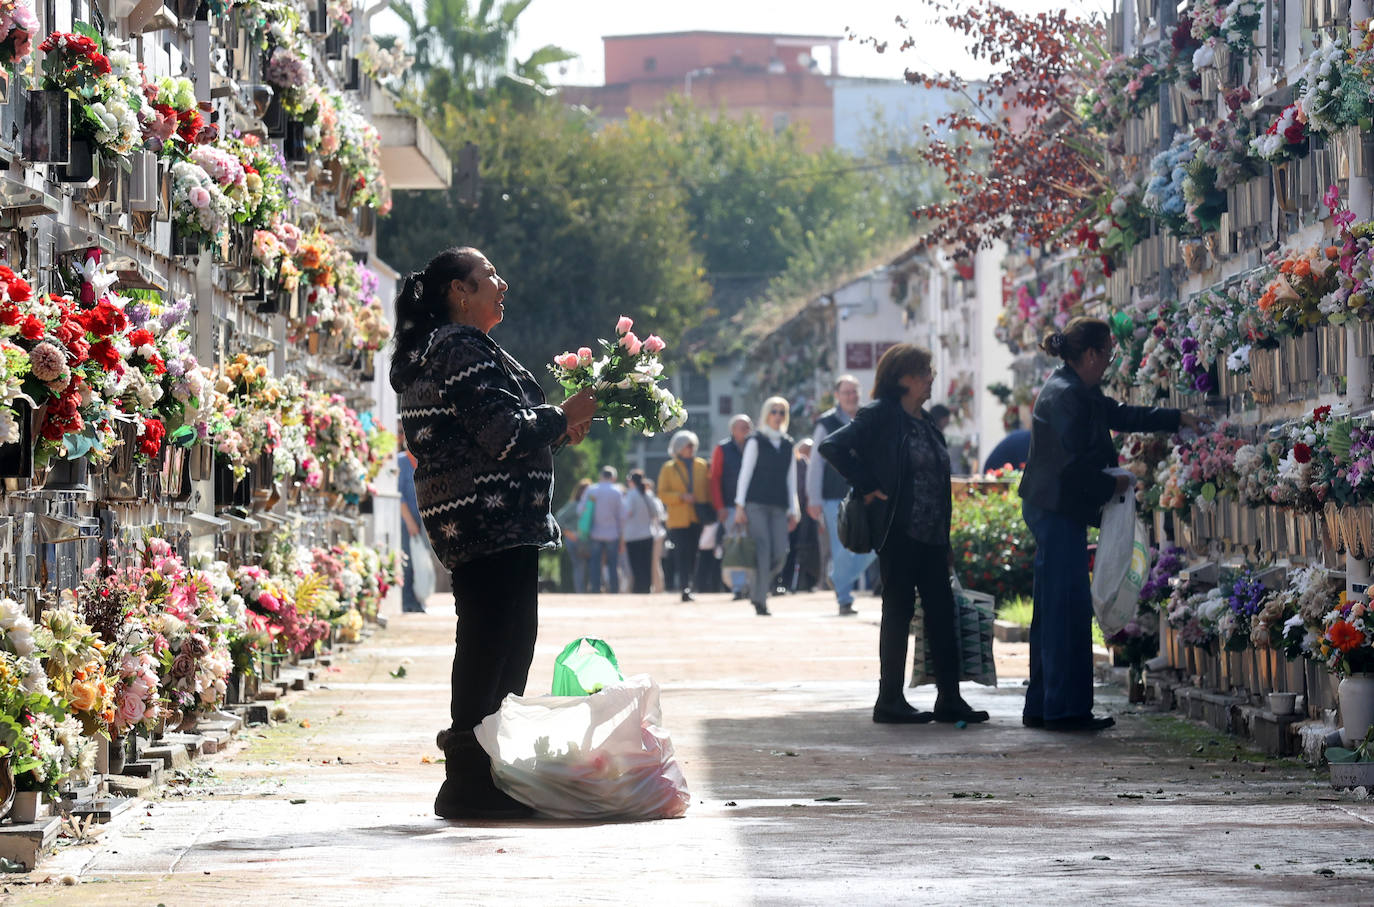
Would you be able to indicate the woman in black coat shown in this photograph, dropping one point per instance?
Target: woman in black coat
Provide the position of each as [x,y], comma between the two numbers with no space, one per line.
[482,434]
[893,455]
[1062,493]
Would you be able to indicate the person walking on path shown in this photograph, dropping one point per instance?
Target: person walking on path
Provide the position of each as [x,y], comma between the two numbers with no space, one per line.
[682,485]
[766,497]
[1063,491]
[894,456]
[803,567]
[411,528]
[574,543]
[825,488]
[483,437]
[725,464]
[660,536]
[607,531]
[638,519]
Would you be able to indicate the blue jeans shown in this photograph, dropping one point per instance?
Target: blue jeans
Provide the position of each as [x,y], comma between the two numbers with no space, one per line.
[577,556]
[601,552]
[1061,645]
[409,603]
[845,566]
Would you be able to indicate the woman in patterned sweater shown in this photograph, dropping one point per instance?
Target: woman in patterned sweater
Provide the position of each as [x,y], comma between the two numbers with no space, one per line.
[482,433]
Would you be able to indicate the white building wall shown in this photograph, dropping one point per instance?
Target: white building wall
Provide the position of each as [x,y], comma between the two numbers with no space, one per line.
[867,322]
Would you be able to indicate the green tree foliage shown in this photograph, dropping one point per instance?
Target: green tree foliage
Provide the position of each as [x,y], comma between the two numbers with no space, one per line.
[463,57]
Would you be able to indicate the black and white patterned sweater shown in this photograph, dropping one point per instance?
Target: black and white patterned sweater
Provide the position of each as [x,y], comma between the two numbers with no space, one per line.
[479,425]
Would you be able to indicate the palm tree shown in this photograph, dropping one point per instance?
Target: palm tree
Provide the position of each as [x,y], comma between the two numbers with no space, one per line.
[462,53]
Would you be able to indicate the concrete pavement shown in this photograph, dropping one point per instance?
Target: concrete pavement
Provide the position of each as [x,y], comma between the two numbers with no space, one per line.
[798,798]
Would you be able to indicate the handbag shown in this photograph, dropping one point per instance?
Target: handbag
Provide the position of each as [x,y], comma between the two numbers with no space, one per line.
[739,551]
[704,511]
[858,523]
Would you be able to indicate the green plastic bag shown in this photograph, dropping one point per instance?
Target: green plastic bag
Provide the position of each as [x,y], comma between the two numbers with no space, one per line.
[584,666]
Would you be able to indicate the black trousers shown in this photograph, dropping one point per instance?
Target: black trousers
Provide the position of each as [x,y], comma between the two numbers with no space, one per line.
[497,600]
[685,541]
[908,566]
[640,554]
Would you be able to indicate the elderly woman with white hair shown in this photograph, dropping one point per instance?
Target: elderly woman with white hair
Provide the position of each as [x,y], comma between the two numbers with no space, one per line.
[766,497]
[684,487]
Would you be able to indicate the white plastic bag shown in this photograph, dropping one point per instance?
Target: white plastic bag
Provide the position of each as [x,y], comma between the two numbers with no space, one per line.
[601,756]
[422,567]
[1122,563]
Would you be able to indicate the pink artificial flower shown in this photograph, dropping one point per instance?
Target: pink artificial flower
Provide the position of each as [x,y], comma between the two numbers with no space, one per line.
[1332,198]
[566,360]
[584,355]
[654,344]
[631,343]
[199,197]
[624,324]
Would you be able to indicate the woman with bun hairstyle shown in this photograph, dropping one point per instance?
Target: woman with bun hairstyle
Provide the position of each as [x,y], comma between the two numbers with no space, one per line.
[482,435]
[1063,492]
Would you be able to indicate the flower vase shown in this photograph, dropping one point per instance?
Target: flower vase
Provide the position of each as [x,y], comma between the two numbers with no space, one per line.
[80,168]
[68,475]
[16,458]
[6,785]
[1356,697]
[47,127]
[1135,688]
[27,807]
[1350,531]
[118,754]
[1284,197]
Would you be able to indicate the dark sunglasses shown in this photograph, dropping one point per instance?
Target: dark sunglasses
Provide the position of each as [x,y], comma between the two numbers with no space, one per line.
[777,412]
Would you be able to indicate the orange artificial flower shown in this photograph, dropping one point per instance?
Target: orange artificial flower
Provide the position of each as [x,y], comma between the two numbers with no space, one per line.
[82,695]
[1332,253]
[1344,636]
[1302,267]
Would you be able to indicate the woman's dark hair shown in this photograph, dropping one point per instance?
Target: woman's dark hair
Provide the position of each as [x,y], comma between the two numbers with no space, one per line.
[420,304]
[637,479]
[898,362]
[1079,335]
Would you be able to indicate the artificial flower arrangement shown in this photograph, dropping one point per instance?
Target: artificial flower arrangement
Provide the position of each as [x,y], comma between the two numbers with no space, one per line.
[1038,306]
[1198,469]
[18,25]
[626,377]
[108,88]
[200,209]
[1229,22]
[1286,137]
[1182,192]
[30,712]
[1333,91]
[1291,301]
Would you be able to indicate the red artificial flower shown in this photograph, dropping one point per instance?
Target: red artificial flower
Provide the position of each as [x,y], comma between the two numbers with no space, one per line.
[1294,134]
[141,337]
[150,441]
[1302,453]
[10,315]
[32,329]
[87,293]
[105,319]
[19,289]
[1320,413]
[78,350]
[105,353]
[1344,636]
[159,367]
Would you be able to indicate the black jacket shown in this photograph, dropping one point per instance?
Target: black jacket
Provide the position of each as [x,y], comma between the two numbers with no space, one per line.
[481,429]
[1071,443]
[870,452]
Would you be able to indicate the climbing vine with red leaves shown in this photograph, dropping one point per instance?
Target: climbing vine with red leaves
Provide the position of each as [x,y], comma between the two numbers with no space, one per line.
[1017,161]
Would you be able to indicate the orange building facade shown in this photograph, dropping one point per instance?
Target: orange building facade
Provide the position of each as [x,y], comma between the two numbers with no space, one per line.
[776,77]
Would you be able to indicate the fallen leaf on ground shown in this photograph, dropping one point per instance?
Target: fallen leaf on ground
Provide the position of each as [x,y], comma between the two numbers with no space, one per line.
[427,760]
[399,672]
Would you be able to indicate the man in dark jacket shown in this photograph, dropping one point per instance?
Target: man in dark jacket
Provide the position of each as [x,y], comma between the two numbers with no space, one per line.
[825,488]
[725,464]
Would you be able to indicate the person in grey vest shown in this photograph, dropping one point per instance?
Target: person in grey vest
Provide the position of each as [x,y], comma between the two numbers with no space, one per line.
[826,488]
[766,497]
[725,463]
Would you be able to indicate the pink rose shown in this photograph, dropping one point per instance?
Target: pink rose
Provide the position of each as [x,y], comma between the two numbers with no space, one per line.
[654,344]
[199,197]
[567,361]
[631,343]
[624,324]
[584,355]
[131,709]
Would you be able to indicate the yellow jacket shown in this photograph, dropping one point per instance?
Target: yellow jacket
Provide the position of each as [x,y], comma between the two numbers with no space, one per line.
[672,485]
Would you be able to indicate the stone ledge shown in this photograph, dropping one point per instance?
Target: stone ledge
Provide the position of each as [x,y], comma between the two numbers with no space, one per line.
[25,843]
[1006,631]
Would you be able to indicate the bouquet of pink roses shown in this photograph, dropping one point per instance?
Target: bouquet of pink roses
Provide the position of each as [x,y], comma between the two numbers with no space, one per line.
[626,378]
